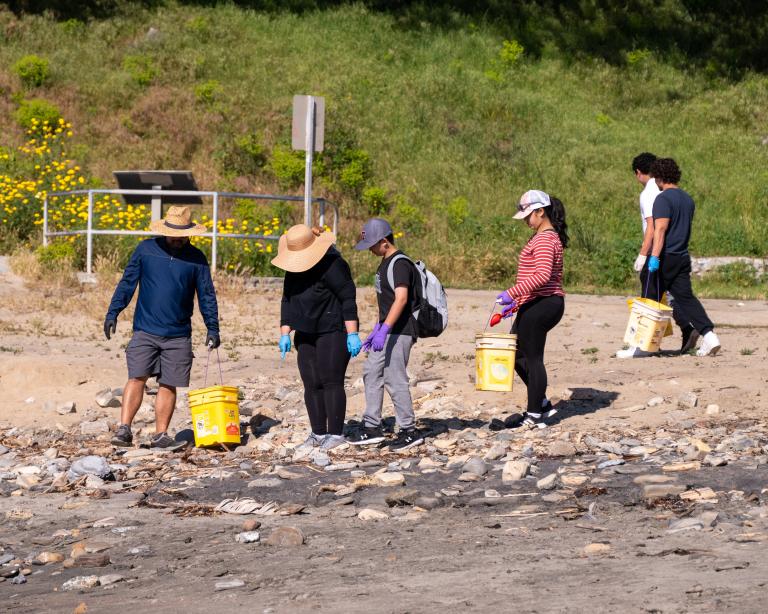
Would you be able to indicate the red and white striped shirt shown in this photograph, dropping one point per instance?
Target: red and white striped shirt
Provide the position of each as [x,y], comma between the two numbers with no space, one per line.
[540,268]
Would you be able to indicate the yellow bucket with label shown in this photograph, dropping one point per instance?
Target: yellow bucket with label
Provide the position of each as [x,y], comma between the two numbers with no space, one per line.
[669,331]
[495,361]
[647,324]
[215,415]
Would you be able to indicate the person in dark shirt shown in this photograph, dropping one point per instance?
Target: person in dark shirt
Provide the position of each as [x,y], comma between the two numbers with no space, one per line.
[389,345]
[169,272]
[319,304]
[673,212]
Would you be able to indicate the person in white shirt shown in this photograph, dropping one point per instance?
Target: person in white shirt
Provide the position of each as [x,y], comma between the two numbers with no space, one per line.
[641,166]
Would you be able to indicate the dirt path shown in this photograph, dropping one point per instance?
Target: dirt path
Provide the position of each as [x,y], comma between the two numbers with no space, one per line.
[446,541]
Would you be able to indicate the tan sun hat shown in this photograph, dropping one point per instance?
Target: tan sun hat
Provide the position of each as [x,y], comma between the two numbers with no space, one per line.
[301,248]
[177,223]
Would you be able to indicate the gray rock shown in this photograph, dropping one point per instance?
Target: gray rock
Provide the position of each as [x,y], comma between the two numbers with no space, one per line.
[657,491]
[713,460]
[685,524]
[561,448]
[476,466]
[66,408]
[610,463]
[112,578]
[3,450]
[223,585]
[321,459]
[687,400]
[265,483]
[655,401]
[515,470]
[105,398]
[496,452]
[427,503]
[80,583]
[402,496]
[547,483]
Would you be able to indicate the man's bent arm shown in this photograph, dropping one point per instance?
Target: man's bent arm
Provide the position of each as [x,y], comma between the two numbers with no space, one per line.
[126,287]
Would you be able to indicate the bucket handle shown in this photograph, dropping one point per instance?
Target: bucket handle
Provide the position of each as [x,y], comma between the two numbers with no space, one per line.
[488,323]
[208,362]
[648,281]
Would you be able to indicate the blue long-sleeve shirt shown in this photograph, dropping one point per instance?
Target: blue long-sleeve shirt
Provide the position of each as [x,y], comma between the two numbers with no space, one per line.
[167,284]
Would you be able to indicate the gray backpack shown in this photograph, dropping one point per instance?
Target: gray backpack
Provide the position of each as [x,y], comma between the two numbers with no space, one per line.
[431,315]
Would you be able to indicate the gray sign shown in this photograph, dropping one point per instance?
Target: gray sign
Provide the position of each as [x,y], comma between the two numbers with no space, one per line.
[301,122]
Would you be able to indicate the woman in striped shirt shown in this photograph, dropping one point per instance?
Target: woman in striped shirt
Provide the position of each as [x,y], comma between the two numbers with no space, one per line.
[538,299]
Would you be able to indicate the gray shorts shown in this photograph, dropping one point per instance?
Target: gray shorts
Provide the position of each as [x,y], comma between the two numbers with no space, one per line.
[167,358]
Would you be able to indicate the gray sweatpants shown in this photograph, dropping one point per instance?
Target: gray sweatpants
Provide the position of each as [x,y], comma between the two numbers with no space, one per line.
[387,369]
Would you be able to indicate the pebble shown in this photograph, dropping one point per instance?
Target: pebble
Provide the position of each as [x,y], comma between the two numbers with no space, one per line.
[89,465]
[469,477]
[66,408]
[79,583]
[713,460]
[111,578]
[389,478]
[96,427]
[476,466]
[371,514]
[92,560]
[596,548]
[496,452]
[285,536]
[138,453]
[223,585]
[689,466]
[656,491]
[251,525]
[515,470]
[547,483]
[653,478]
[712,409]
[341,466]
[45,558]
[427,503]
[573,479]
[655,401]
[687,400]
[247,537]
[104,397]
[265,483]
[561,448]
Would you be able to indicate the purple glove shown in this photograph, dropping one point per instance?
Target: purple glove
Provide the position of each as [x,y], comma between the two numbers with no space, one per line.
[509,310]
[505,299]
[380,338]
[369,339]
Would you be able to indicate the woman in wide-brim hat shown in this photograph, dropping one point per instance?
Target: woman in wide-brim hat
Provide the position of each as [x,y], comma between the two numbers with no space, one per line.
[319,305]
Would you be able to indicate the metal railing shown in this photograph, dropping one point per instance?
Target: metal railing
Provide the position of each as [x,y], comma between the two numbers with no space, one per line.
[214,235]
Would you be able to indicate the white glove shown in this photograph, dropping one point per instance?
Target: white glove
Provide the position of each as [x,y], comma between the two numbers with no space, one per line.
[640,262]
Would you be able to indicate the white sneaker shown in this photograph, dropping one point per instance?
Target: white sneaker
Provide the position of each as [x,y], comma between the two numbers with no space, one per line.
[313,441]
[710,345]
[633,353]
[332,441]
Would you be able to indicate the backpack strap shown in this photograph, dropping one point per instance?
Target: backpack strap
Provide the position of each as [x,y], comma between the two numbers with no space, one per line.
[391,269]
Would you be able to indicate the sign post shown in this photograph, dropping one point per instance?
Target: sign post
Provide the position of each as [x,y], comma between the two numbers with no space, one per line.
[308,135]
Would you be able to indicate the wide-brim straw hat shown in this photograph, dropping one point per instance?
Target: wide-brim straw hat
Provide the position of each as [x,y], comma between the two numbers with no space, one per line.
[177,223]
[301,248]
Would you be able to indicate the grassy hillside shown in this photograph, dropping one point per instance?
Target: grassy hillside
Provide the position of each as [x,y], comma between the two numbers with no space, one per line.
[444,128]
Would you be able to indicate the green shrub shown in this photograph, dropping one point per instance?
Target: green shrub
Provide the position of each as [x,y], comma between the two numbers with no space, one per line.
[287,166]
[511,52]
[375,200]
[208,93]
[33,71]
[33,113]
[141,68]
[457,212]
[409,218]
[741,274]
[356,170]
[56,256]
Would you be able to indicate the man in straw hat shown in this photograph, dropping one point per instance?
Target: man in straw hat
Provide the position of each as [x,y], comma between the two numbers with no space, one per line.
[168,271]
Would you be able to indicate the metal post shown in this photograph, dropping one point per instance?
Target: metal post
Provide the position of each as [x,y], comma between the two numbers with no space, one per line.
[157,204]
[45,221]
[89,241]
[322,214]
[310,150]
[215,231]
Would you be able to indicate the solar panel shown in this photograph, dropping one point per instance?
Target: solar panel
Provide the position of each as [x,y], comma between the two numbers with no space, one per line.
[158,180]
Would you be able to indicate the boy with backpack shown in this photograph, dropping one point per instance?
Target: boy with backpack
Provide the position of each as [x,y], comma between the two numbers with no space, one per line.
[411,304]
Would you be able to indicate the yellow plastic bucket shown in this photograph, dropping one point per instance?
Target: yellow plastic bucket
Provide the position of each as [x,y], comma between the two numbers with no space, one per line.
[495,361]
[215,415]
[648,321]
[669,330]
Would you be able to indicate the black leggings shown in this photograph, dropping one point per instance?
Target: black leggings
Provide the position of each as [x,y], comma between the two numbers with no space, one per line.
[323,361]
[533,322]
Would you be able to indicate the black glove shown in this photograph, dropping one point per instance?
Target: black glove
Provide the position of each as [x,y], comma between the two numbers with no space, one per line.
[109,327]
[212,340]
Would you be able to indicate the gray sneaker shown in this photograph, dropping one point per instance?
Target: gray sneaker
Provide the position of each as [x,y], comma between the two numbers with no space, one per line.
[163,440]
[313,441]
[333,441]
[123,437]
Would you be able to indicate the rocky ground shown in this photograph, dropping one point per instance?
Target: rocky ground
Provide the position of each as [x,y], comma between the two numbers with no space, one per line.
[647,495]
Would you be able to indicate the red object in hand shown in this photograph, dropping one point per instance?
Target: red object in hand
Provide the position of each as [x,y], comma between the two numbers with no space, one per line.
[495,319]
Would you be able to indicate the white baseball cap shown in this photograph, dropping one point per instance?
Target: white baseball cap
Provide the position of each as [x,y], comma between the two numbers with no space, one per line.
[530,201]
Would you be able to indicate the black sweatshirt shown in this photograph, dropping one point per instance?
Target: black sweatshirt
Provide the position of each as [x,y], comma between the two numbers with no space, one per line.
[321,299]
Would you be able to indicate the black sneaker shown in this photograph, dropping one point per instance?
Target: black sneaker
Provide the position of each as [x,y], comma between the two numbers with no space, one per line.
[690,337]
[406,440]
[540,420]
[164,441]
[123,437]
[368,436]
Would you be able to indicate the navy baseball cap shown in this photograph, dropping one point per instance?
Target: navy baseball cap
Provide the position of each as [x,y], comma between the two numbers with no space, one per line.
[374,231]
